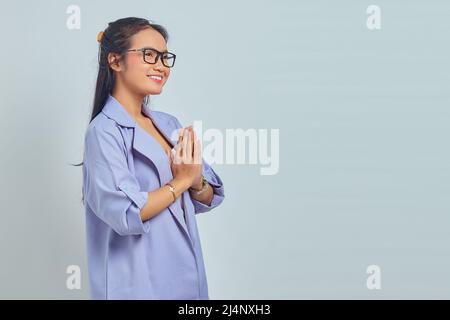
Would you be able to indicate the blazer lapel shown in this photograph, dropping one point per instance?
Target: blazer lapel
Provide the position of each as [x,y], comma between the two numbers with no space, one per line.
[146,145]
[149,147]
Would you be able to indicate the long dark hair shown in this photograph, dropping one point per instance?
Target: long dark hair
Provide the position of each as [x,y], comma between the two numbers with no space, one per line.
[116,39]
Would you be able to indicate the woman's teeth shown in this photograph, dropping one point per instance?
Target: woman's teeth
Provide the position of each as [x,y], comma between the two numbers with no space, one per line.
[158,78]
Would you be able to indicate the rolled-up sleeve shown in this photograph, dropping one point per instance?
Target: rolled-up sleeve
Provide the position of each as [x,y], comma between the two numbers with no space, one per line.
[213,179]
[110,189]
[218,191]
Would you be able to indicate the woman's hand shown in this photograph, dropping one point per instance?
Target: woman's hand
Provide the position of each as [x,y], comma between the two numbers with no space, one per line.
[186,164]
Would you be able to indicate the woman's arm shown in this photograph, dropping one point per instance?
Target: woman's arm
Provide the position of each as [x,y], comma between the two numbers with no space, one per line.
[161,198]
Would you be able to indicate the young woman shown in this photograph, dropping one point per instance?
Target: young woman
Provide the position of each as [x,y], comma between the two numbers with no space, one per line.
[144,178]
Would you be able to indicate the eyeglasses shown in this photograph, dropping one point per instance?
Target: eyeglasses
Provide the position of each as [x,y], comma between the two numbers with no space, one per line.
[151,56]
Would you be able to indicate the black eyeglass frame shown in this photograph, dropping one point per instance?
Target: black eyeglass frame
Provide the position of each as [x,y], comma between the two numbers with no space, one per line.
[159,54]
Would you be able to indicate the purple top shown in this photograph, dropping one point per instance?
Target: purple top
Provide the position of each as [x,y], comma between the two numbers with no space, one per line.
[160,258]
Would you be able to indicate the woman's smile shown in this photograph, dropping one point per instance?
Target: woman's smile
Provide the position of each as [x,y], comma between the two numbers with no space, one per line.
[156,78]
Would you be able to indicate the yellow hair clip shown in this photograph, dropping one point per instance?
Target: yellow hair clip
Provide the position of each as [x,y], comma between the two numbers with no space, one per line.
[100,36]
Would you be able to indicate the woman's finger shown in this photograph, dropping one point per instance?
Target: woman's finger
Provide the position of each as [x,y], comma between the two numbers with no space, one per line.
[178,148]
[170,156]
[197,152]
[180,134]
[197,149]
[176,158]
[184,143]
[190,145]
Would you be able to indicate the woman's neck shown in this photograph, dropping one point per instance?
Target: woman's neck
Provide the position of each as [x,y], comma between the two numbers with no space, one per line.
[131,102]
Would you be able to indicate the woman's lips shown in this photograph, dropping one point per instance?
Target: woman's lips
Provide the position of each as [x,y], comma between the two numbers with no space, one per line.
[156,78]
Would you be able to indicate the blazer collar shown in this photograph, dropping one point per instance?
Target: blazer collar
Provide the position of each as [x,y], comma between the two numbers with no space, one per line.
[143,142]
[114,110]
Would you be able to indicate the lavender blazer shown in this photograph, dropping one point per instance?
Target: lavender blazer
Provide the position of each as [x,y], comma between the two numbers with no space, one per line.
[160,258]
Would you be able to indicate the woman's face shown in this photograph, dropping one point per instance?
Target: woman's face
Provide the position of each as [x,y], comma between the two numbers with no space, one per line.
[136,73]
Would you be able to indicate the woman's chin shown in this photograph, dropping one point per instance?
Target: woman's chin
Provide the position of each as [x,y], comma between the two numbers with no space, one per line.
[154,91]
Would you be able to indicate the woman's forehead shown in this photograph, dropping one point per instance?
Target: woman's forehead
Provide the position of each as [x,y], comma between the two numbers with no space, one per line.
[149,38]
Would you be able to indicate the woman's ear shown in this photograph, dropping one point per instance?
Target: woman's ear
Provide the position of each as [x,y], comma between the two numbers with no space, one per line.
[114,61]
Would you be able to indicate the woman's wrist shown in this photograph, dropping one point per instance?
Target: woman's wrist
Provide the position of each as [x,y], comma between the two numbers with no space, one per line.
[200,189]
[180,185]
[198,186]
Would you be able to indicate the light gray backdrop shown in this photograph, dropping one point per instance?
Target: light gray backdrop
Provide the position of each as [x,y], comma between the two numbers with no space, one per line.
[364,157]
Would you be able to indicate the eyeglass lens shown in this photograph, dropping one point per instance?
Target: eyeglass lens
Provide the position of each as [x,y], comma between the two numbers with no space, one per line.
[150,56]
